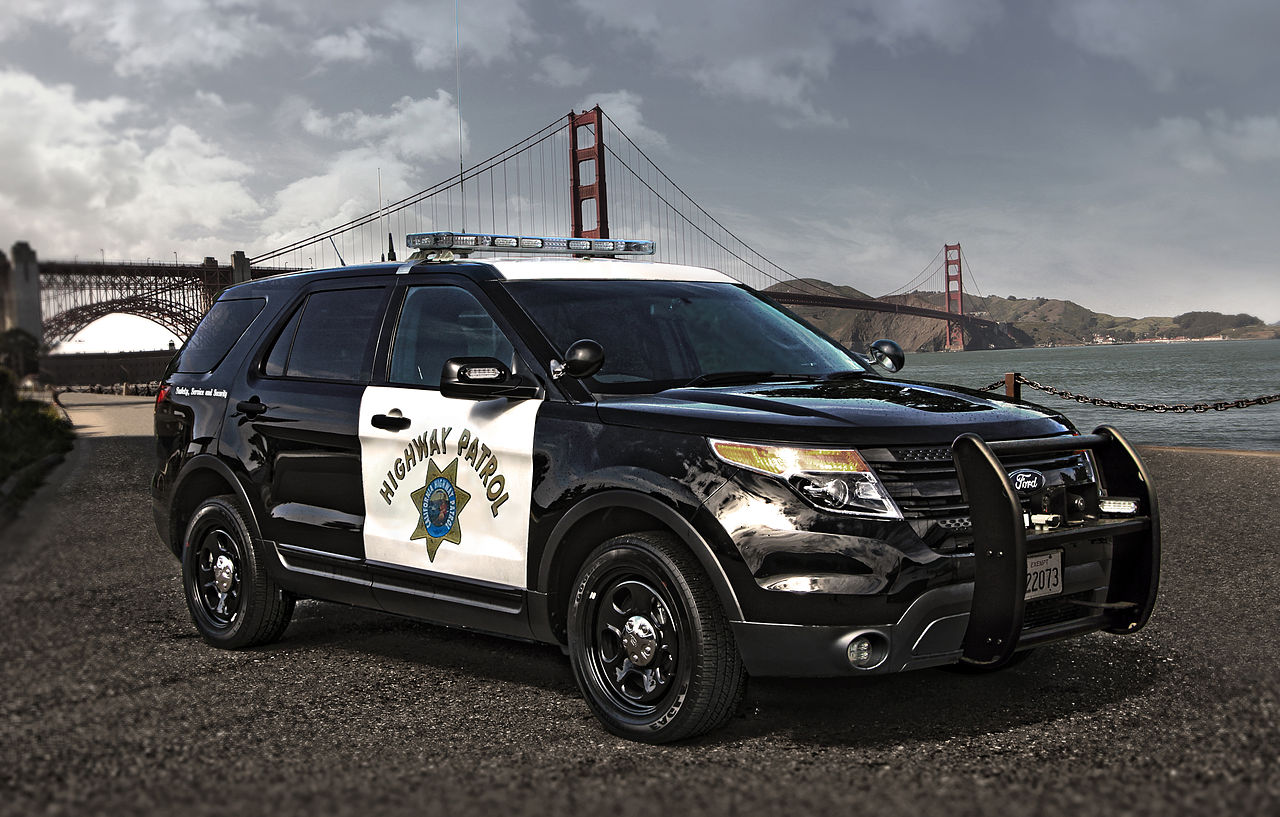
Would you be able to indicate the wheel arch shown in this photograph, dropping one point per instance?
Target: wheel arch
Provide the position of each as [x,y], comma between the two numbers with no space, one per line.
[597,519]
[202,477]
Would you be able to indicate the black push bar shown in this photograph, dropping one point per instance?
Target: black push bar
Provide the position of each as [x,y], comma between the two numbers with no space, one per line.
[1001,540]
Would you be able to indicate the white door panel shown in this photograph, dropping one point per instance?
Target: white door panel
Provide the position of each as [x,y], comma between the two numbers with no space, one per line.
[450,493]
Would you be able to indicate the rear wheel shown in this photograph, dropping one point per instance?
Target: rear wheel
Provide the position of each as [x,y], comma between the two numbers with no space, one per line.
[233,602]
[649,642]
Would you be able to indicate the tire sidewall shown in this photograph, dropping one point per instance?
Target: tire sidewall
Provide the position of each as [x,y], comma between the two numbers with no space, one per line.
[612,562]
[221,513]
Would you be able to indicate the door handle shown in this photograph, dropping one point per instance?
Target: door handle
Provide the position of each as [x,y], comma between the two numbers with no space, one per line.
[389,423]
[251,407]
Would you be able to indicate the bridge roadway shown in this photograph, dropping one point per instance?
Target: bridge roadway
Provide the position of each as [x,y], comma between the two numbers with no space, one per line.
[112,705]
[839,302]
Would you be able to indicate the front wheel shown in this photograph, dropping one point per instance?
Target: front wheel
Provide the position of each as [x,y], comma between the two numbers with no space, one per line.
[649,642]
[234,603]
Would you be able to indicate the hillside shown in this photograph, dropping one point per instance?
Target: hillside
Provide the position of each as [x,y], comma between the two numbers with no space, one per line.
[1030,321]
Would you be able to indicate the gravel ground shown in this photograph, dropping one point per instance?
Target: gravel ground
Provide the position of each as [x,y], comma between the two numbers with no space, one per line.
[112,703]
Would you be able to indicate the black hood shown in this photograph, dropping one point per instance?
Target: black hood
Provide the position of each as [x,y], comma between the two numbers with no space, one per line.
[862,411]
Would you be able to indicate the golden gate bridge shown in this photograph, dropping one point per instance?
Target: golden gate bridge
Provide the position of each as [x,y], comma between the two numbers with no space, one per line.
[580,175]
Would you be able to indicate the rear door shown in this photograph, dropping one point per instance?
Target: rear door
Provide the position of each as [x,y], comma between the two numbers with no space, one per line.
[447,482]
[294,418]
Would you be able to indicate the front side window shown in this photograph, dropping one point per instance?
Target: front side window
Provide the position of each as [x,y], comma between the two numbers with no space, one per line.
[661,334]
[437,323]
[330,337]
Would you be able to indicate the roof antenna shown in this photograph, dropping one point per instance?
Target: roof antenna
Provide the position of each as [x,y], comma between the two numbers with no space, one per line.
[457,62]
[335,249]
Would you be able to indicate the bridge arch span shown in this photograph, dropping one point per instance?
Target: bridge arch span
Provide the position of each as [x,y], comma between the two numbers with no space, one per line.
[179,319]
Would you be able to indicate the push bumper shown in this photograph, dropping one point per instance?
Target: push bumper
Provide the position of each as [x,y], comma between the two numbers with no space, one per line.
[986,620]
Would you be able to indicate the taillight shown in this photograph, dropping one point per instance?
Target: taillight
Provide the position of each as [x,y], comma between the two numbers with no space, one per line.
[163,394]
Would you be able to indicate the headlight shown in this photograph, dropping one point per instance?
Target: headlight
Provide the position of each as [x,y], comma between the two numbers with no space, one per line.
[834,479]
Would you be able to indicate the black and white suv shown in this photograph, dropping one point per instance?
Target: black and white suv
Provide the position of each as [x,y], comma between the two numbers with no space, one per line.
[651,465]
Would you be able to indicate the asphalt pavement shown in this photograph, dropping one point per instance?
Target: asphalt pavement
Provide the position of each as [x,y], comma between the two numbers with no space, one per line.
[113,705]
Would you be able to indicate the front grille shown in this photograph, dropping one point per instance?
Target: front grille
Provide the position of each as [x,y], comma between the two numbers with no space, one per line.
[923,482]
[1044,612]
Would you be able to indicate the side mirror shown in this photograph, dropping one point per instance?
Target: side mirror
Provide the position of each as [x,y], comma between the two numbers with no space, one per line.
[888,355]
[584,358]
[483,378]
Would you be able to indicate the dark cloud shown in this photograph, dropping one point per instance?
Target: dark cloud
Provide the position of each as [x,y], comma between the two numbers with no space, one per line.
[1125,155]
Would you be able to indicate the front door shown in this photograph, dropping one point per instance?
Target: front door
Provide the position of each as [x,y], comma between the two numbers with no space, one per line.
[447,482]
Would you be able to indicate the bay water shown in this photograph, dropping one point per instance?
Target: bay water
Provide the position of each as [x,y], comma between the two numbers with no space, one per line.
[1198,372]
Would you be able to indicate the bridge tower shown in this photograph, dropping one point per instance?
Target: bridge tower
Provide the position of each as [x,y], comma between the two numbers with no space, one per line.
[587,193]
[20,292]
[955,297]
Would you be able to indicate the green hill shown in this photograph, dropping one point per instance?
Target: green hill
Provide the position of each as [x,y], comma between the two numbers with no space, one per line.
[1029,321]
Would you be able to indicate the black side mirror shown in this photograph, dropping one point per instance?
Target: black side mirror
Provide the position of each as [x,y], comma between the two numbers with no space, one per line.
[888,355]
[584,358]
[483,378]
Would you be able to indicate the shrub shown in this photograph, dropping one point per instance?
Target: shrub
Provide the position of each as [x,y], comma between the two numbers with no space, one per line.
[29,429]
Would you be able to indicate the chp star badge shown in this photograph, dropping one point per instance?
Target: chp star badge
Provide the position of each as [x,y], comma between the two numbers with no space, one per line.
[439,502]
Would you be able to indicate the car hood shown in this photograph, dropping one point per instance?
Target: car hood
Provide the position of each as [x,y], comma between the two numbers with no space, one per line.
[862,411]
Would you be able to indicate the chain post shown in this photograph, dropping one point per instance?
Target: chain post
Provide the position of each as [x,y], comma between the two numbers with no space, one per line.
[1012,385]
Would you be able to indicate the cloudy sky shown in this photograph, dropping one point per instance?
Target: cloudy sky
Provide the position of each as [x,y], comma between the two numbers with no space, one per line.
[1124,154]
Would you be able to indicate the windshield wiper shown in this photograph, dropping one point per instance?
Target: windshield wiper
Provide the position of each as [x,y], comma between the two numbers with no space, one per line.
[849,375]
[725,378]
[741,377]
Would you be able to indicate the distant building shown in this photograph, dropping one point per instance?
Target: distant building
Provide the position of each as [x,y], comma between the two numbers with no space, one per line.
[104,368]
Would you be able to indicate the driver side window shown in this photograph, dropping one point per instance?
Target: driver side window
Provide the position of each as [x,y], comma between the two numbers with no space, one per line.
[437,323]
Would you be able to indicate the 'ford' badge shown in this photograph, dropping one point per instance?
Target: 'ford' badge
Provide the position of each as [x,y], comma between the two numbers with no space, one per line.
[1026,481]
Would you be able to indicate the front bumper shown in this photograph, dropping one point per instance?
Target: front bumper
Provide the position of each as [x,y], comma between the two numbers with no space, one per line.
[984,621]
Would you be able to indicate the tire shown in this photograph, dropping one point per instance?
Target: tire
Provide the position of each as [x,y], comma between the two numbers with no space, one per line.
[233,602]
[648,587]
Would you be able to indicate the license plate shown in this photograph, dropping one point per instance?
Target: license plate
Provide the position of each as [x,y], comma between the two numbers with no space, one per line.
[1044,574]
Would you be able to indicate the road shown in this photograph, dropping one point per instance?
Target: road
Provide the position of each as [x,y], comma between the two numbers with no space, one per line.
[113,705]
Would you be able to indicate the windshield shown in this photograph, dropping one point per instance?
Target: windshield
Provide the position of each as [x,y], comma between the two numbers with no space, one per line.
[661,334]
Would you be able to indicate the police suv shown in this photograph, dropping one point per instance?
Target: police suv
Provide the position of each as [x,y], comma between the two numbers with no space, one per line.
[651,465]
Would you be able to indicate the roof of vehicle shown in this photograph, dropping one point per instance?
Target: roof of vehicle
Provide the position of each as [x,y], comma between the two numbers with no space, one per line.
[509,269]
[527,269]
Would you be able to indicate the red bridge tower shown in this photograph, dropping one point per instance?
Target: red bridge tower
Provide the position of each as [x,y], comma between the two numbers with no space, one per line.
[955,298]
[588,196]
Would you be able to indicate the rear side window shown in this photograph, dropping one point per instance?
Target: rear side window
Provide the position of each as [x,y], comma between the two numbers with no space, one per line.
[331,337]
[218,331]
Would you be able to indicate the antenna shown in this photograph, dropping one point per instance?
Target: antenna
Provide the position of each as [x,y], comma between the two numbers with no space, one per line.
[335,249]
[381,212]
[457,62]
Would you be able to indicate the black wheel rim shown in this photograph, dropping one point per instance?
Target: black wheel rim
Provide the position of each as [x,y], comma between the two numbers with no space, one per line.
[217,577]
[635,688]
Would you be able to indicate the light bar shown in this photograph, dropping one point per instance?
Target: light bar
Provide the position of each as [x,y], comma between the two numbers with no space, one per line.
[488,242]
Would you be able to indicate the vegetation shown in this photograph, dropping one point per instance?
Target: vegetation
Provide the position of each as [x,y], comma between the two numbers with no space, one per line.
[29,431]
[19,352]
[1204,324]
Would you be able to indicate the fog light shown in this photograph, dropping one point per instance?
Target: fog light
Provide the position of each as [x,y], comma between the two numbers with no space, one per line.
[867,650]
[860,651]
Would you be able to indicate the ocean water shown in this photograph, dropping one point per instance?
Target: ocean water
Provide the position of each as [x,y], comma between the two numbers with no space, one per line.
[1203,372]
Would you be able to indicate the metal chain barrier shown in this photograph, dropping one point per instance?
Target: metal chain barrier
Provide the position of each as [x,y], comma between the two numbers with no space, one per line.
[1159,408]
